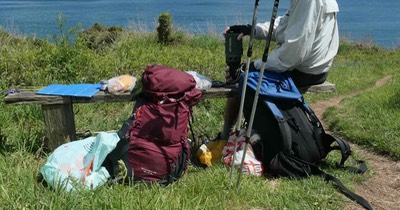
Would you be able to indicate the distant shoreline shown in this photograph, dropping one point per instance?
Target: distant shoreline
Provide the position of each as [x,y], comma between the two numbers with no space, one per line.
[359,21]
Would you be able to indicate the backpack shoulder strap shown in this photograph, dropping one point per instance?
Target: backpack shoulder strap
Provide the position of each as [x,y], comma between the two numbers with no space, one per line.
[342,146]
[345,151]
[283,127]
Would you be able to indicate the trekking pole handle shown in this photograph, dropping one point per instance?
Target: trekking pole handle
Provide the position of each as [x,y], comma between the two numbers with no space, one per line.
[271,28]
[253,30]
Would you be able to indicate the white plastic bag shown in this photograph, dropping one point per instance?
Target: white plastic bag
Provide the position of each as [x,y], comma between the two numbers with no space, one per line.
[77,164]
[202,82]
[121,84]
[251,166]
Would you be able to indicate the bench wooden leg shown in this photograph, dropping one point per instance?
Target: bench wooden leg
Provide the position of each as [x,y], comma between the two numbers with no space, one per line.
[60,125]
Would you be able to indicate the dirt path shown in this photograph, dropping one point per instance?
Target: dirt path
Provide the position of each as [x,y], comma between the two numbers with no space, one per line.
[382,189]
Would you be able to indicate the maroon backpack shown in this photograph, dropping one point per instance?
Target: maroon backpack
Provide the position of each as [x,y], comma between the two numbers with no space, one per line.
[158,148]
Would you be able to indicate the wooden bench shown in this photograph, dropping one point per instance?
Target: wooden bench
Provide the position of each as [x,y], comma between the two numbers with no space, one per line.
[59,115]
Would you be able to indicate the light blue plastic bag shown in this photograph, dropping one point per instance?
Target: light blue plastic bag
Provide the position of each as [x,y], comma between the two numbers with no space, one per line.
[77,165]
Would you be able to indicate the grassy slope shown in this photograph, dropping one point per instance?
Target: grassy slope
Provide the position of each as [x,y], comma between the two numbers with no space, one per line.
[27,62]
[371,118]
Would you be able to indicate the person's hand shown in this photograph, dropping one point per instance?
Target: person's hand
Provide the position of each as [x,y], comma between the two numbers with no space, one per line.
[244,30]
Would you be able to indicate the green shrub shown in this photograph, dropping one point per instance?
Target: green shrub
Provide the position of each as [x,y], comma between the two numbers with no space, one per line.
[164,28]
[97,37]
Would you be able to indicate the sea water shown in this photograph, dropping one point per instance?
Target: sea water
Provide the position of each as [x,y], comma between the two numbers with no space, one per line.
[376,21]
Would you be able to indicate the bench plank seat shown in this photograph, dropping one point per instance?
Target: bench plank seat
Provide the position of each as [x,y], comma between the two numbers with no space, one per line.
[100,97]
[59,116]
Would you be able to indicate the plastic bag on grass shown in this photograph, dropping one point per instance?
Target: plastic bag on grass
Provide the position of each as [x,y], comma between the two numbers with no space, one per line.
[251,165]
[77,165]
[211,152]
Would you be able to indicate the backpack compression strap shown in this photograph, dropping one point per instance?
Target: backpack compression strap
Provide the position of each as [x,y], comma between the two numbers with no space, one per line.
[345,150]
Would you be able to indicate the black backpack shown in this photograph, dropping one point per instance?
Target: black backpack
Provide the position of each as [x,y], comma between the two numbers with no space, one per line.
[293,141]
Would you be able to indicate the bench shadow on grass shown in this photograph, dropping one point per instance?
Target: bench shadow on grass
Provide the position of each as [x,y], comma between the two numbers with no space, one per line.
[35,148]
[395,101]
[3,146]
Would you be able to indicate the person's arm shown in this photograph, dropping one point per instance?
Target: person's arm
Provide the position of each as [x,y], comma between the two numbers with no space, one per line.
[298,37]
[261,30]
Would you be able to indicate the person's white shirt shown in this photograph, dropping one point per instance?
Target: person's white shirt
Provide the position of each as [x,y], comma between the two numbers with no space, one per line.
[307,37]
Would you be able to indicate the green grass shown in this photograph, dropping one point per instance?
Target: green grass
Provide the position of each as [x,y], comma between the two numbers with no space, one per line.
[370,119]
[198,189]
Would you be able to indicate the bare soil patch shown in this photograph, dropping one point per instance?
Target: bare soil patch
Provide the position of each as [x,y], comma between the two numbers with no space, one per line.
[382,189]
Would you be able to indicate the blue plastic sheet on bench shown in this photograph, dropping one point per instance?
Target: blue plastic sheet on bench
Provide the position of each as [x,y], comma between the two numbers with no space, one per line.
[79,90]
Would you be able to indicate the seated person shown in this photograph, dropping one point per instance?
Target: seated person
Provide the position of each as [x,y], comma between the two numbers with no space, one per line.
[307,39]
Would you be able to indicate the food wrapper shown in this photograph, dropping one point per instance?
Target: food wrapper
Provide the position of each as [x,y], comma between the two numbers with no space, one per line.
[121,84]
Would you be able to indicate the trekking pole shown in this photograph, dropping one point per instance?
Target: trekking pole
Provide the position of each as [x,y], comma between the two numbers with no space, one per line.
[264,61]
[249,54]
